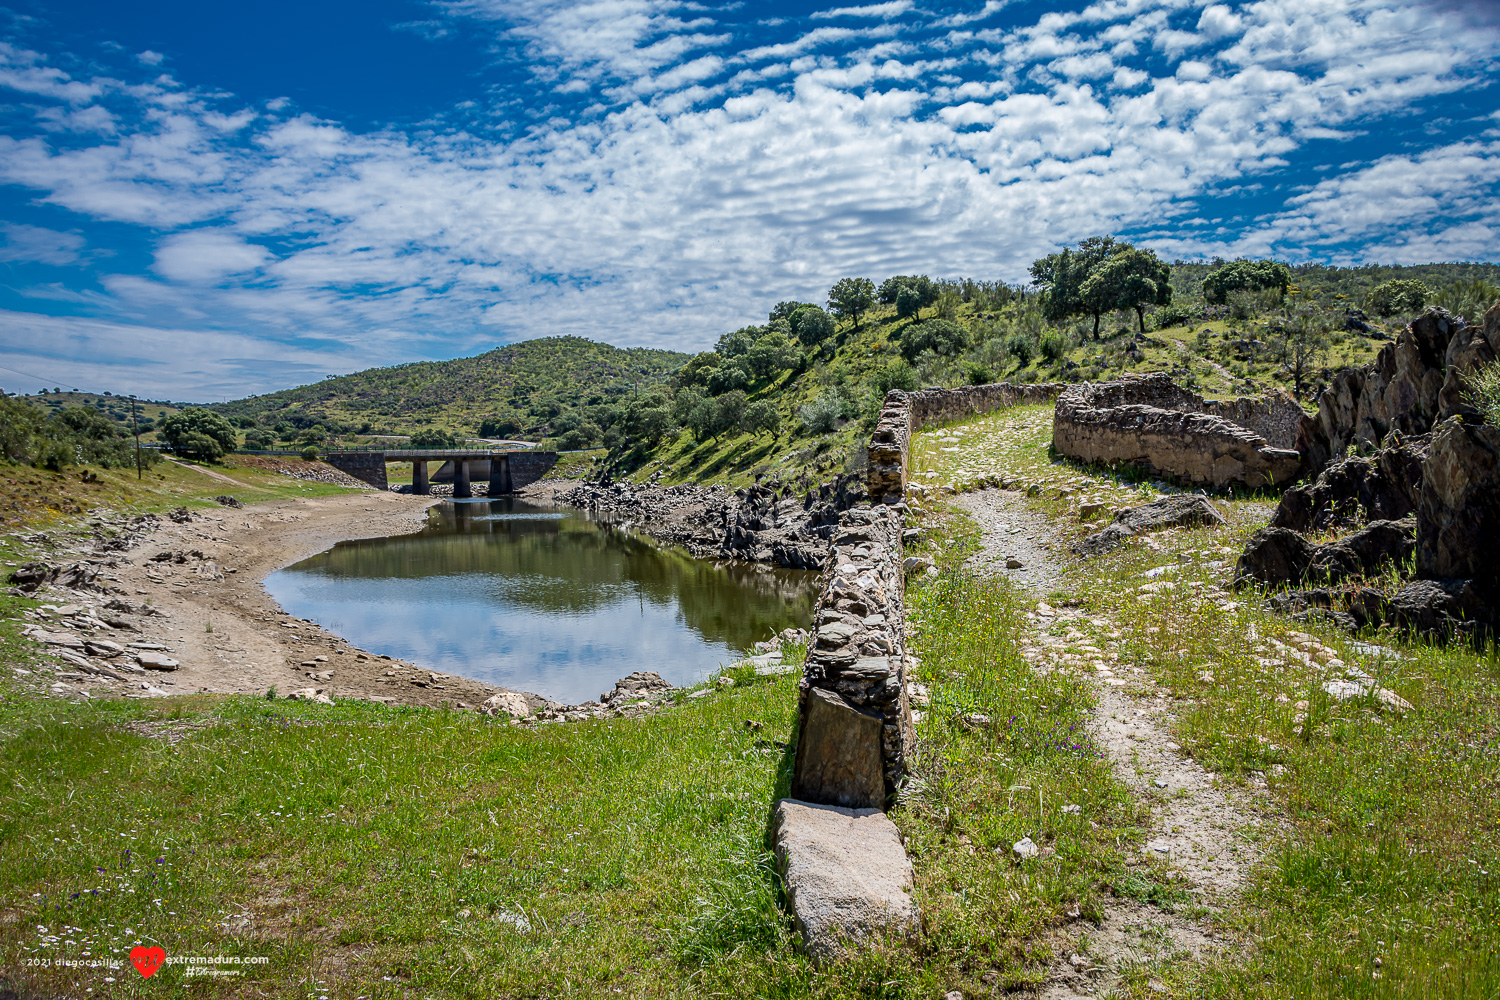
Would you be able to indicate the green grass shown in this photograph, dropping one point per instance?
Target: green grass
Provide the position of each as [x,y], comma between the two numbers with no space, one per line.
[1389,845]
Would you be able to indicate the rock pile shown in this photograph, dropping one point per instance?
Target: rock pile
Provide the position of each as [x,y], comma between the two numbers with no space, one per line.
[1151,423]
[766,523]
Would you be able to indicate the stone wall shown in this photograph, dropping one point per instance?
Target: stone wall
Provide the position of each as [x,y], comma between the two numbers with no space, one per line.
[856,731]
[366,466]
[905,413]
[1150,422]
[526,467]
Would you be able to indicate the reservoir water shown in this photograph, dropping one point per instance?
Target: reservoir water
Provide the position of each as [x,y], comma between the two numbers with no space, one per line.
[541,599]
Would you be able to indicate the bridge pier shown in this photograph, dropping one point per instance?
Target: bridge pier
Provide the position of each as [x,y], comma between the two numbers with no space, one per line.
[461,489]
[419,483]
[500,475]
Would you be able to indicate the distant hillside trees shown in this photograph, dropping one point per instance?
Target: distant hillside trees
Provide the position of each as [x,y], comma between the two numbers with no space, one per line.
[499,427]
[1063,276]
[941,336]
[74,435]
[851,298]
[436,437]
[199,433]
[1130,279]
[1403,295]
[1245,276]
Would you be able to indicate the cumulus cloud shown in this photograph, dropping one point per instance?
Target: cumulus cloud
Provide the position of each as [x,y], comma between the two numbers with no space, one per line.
[702,181]
[202,256]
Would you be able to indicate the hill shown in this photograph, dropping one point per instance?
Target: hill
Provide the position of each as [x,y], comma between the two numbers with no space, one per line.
[520,388]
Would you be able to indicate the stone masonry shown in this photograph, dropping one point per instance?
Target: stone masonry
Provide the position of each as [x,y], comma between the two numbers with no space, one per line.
[856,729]
[905,413]
[1150,422]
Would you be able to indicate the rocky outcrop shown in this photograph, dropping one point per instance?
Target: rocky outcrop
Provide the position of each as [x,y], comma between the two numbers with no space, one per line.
[1153,424]
[858,656]
[1458,516]
[1411,385]
[846,874]
[1169,512]
[768,523]
[1276,556]
[1382,487]
[905,413]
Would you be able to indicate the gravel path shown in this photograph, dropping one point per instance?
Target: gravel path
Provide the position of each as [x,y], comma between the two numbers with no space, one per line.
[1201,831]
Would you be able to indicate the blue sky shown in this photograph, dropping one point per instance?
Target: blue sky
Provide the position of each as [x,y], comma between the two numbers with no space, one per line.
[203,201]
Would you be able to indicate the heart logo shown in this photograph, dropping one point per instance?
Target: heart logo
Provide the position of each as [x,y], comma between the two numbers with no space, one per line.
[147,960]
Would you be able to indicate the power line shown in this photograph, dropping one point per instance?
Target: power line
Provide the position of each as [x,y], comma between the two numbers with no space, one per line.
[41,378]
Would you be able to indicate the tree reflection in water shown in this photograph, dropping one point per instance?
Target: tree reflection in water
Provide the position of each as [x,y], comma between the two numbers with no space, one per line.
[541,599]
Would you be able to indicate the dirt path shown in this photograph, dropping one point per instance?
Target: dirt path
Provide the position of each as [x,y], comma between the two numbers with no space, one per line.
[207,472]
[194,588]
[1201,831]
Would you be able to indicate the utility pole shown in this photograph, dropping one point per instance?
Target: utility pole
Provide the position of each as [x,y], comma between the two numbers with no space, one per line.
[135,425]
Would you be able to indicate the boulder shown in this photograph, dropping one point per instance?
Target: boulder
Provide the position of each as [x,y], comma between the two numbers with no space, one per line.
[1458,516]
[839,755]
[507,703]
[1442,609]
[1382,487]
[1399,391]
[645,685]
[1181,510]
[846,873]
[1367,551]
[1274,556]
[154,660]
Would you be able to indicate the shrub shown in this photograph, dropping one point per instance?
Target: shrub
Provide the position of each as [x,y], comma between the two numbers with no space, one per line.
[978,374]
[1170,316]
[822,414]
[1054,345]
[908,302]
[894,374]
[489,427]
[436,437]
[1402,295]
[940,336]
[1023,346]
[309,454]
[1484,391]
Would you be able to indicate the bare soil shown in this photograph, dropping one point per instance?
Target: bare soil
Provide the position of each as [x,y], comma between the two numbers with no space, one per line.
[216,619]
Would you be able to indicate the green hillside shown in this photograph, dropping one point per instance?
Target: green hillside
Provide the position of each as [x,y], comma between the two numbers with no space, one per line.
[797,393]
[521,388]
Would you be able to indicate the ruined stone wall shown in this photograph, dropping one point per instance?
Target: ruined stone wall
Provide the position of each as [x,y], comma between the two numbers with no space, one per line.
[366,466]
[856,729]
[1152,423]
[905,413]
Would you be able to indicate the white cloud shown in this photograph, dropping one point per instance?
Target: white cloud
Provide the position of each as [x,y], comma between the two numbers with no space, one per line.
[42,246]
[202,256]
[696,199]
[895,8]
[149,58]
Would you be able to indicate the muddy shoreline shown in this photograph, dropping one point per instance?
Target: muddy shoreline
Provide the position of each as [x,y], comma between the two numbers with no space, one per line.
[189,590]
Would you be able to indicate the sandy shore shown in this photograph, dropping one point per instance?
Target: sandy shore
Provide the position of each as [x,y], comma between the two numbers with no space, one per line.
[216,619]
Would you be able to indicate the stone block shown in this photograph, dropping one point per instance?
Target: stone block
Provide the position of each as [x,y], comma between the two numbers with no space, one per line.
[839,754]
[847,875]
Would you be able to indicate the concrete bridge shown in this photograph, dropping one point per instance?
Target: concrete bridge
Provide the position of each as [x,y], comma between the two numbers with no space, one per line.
[507,471]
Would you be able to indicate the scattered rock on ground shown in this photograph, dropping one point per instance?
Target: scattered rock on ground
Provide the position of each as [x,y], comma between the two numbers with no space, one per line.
[1180,510]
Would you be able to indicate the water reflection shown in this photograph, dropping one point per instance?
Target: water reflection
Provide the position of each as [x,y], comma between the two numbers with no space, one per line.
[541,600]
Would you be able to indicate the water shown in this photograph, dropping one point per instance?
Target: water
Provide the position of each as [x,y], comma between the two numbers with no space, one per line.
[540,599]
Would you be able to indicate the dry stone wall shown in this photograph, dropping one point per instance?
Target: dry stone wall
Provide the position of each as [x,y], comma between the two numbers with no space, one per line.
[905,413]
[1152,423]
[856,731]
